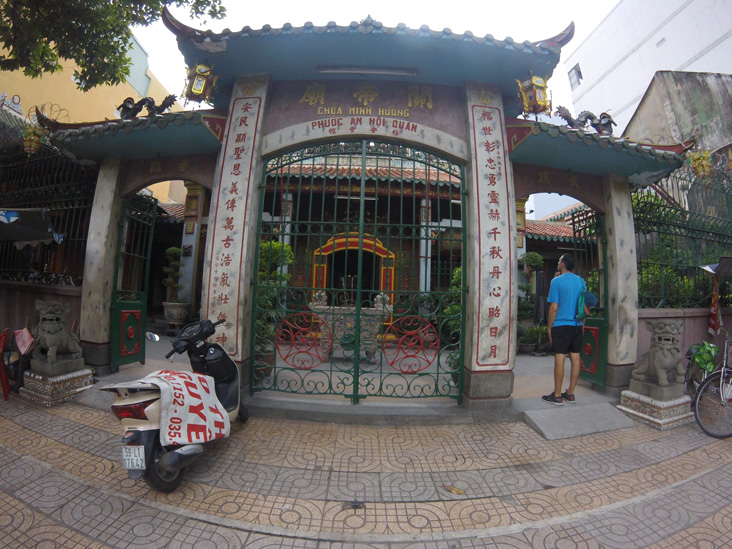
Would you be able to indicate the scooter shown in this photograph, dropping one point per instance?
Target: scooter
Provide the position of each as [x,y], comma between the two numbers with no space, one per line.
[169,416]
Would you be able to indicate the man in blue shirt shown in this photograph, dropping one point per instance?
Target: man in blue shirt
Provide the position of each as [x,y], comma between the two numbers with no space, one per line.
[565,330]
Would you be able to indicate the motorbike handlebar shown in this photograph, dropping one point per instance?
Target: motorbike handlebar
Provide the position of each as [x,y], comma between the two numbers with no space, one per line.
[190,336]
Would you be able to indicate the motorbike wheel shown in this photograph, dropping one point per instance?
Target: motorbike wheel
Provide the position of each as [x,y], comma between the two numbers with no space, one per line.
[158,478]
[243,414]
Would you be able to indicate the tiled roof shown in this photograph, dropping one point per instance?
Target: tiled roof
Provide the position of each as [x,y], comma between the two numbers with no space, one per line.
[366,49]
[367,26]
[564,213]
[168,134]
[563,148]
[545,230]
[604,141]
[174,213]
[87,130]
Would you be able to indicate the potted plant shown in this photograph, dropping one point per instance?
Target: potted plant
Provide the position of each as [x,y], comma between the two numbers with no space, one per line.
[176,311]
[526,339]
[542,339]
[274,256]
[530,261]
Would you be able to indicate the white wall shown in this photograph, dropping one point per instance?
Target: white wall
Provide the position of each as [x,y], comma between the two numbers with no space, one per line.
[619,58]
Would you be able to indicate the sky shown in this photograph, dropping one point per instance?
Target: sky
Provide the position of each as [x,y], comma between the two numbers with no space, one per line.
[531,20]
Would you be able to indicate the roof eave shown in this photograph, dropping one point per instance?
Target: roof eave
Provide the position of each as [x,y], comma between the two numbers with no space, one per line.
[300,53]
[564,148]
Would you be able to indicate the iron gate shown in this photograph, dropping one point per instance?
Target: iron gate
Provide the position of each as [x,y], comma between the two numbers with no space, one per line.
[590,250]
[129,299]
[358,289]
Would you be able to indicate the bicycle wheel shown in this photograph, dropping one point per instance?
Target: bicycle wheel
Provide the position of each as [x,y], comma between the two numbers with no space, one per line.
[713,405]
[694,378]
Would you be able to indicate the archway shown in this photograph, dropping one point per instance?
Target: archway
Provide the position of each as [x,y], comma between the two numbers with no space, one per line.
[338,261]
[578,230]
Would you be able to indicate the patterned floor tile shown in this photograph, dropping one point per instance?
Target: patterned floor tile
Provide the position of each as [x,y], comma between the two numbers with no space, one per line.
[49,492]
[352,486]
[324,485]
[93,513]
[510,480]
[406,487]
[195,534]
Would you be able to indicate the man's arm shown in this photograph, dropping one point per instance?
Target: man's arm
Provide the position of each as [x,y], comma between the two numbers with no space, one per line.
[553,308]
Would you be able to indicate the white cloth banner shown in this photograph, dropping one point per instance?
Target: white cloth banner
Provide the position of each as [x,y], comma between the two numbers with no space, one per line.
[190,411]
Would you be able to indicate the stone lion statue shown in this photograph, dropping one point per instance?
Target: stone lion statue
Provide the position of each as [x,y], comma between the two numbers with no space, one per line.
[664,355]
[52,340]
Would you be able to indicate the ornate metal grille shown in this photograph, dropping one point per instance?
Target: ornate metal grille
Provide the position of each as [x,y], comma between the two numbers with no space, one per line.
[66,190]
[681,223]
[359,245]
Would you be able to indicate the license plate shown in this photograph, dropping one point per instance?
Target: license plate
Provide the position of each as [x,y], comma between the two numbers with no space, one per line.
[133,458]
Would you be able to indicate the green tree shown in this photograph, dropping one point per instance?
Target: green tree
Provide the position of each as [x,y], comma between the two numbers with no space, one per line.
[36,35]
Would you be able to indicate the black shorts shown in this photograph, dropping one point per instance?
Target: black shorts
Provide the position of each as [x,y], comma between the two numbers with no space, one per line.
[566,339]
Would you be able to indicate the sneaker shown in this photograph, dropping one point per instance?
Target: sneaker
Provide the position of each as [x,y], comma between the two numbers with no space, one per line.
[569,398]
[551,399]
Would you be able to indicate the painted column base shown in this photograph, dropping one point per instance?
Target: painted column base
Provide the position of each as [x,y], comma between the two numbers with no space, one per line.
[487,390]
[660,414]
[54,390]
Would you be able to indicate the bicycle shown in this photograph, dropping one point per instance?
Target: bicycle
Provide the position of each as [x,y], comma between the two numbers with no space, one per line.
[713,400]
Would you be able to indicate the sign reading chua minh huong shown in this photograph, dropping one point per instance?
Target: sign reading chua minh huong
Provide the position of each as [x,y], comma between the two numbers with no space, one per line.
[382,109]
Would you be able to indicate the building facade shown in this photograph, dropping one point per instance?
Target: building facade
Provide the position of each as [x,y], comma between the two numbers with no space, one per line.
[610,70]
[362,226]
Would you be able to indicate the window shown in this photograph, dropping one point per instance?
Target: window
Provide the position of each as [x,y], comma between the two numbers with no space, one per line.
[575,76]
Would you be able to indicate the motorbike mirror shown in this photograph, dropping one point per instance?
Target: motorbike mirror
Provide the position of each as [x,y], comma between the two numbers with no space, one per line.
[152,336]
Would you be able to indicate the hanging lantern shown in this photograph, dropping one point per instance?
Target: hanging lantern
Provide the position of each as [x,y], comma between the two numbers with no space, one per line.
[533,95]
[201,83]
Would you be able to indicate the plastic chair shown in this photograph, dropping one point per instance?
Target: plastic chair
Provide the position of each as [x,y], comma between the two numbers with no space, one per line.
[3,368]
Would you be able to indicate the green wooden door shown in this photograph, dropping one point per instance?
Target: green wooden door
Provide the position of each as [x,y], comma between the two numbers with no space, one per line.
[129,299]
[591,258]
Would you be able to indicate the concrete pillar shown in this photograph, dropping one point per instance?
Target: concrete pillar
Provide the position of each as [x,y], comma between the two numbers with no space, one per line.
[231,237]
[101,253]
[622,279]
[490,263]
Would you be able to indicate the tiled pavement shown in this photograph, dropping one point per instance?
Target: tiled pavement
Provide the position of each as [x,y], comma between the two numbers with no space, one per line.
[287,483]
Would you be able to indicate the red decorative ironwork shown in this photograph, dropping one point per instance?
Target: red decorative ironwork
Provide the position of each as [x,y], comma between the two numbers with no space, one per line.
[591,336]
[411,344]
[304,340]
[131,324]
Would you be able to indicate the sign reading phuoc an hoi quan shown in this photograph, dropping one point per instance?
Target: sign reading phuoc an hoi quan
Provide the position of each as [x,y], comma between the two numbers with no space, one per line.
[304,110]
[228,230]
[495,207]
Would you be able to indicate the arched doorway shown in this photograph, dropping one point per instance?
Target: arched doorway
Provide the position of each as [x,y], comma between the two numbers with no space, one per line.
[354,295]
[577,230]
[338,262]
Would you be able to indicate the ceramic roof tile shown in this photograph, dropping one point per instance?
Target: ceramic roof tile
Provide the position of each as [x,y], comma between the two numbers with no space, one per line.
[606,141]
[367,26]
[545,230]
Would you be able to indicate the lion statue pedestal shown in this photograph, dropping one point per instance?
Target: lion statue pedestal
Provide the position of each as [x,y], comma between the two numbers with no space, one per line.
[57,371]
[652,398]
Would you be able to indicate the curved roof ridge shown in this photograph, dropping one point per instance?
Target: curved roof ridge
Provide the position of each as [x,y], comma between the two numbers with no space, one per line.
[367,26]
[604,141]
[96,129]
